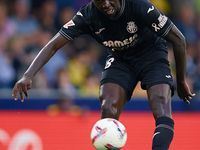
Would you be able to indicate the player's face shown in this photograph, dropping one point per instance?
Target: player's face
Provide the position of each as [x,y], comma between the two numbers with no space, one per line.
[109,8]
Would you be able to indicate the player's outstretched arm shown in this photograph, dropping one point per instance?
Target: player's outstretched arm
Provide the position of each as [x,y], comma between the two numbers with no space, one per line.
[40,60]
[179,47]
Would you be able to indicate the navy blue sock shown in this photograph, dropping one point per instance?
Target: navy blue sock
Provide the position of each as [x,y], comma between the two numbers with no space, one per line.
[163,134]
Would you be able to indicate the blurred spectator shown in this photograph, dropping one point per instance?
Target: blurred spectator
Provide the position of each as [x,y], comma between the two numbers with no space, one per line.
[47,16]
[66,89]
[198,5]
[26,25]
[85,62]
[64,84]
[198,51]
[162,5]
[196,80]
[198,25]
[7,30]
[65,16]
[65,3]
[190,70]
[186,22]
[7,27]
[78,68]
[40,81]
[91,87]
[20,60]
[95,53]
[7,73]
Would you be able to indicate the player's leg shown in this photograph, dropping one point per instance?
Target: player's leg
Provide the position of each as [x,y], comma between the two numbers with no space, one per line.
[160,103]
[116,87]
[159,97]
[113,99]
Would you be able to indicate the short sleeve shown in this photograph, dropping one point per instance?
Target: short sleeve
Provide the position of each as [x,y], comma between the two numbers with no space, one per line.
[75,27]
[155,20]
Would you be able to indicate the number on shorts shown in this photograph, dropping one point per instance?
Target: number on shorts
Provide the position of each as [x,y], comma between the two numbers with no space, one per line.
[108,63]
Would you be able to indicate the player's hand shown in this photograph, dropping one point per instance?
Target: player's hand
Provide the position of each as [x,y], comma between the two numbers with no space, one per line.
[184,93]
[22,86]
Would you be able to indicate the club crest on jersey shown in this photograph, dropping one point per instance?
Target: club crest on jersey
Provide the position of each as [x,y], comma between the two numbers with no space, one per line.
[131,27]
[70,23]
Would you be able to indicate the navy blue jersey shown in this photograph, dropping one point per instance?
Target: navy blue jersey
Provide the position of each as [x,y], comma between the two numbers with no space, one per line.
[136,31]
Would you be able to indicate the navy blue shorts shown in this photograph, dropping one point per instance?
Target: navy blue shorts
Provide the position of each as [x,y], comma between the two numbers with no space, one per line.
[127,75]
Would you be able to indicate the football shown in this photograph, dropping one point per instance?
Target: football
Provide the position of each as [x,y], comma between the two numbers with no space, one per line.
[108,134]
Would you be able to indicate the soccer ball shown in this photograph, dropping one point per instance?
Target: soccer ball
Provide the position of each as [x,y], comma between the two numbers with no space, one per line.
[108,134]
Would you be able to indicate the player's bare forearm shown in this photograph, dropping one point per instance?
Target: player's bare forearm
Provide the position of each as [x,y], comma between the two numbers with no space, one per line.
[41,59]
[180,53]
[179,48]
[45,54]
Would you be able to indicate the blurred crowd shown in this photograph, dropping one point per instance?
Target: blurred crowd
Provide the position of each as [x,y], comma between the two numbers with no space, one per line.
[27,25]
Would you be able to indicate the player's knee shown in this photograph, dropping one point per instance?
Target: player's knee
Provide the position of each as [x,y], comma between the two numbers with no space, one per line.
[108,111]
[158,98]
[159,105]
[108,108]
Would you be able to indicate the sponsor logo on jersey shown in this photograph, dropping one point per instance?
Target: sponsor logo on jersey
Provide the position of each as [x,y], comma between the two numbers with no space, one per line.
[162,21]
[70,23]
[79,14]
[168,76]
[131,27]
[100,30]
[150,9]
[121,45]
